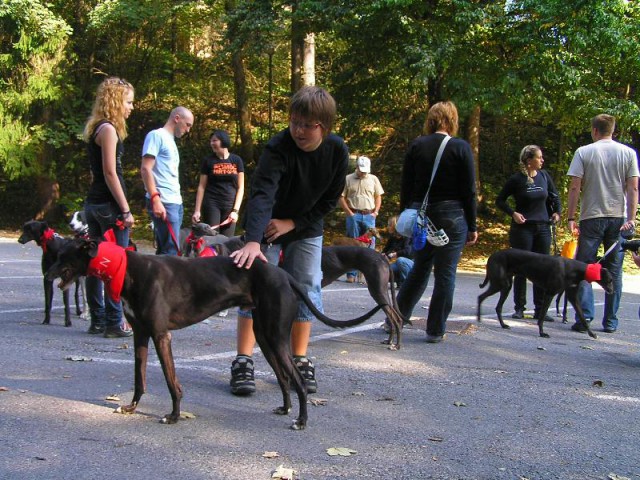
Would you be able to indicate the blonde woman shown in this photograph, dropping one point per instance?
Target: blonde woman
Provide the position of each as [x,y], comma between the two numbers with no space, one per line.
[530,229]
[106,206]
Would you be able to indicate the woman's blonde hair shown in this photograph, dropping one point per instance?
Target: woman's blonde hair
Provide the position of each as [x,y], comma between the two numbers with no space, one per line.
[392,223]
[442,116]
[526,154]
[109,105]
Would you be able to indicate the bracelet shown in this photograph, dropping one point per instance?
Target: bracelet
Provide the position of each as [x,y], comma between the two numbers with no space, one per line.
[157,194]
[126,214]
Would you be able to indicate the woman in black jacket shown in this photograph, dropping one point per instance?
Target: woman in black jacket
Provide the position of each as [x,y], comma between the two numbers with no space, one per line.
[536,204]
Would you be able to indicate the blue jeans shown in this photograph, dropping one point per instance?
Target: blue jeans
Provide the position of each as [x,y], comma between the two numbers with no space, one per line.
[357,225]
[100,218]
[533,237]
[401,268]
[449,216]
[593,233]
[303,261]
[165,244]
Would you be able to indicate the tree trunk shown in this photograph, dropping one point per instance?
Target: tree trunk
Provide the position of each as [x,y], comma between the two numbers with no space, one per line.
[309,60]
[242,106]
[297,53]
[473,134]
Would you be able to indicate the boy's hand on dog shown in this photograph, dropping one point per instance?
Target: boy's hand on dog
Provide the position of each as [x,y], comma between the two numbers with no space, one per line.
[278,227]
[247,254]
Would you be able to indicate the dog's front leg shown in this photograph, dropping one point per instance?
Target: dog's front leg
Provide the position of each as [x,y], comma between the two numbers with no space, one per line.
[542,312]
[162,343]
[572,295]
[67,308]
[141,346]
[48,301]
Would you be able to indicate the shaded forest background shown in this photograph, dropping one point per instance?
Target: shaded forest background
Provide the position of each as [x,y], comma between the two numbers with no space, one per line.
[521,72]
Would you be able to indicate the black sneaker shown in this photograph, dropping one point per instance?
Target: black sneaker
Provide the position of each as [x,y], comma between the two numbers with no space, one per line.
[579,327]
[547,318]
[117,332]
[518,314]
[242,379]
[95,329]
[308,372]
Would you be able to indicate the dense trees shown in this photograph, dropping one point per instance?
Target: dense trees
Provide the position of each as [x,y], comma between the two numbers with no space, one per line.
[521,71]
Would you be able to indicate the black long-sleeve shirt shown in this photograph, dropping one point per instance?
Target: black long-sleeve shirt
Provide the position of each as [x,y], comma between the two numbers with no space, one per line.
[454,180]
[530,198]
[291,183]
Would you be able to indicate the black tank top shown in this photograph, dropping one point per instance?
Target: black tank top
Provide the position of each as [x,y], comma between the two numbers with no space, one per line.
[99,191]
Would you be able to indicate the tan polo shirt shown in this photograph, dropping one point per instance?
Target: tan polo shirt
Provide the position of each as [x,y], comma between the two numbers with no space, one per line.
[360,193]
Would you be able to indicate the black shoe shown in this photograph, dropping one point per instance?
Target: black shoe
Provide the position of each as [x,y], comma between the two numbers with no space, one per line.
[117,332]
[308,372]
[609,330]
[434,338]
[242,379]
[547,318]
[578,327]
[518,314]
[95,329]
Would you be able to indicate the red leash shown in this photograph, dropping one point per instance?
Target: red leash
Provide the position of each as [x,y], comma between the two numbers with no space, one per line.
[173,236]
[226,222]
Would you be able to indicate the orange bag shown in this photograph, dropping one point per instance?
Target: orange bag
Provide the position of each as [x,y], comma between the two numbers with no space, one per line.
[569,248]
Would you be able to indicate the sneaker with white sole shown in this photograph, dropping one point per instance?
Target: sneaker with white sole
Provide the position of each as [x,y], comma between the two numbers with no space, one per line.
[242,378]
[308,371]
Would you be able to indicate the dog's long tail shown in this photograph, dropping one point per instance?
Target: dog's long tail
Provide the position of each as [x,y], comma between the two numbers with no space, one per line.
[300,291]
[485,281]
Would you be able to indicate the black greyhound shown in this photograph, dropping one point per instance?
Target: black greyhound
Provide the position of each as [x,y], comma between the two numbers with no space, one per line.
[51,243]
[164,293]
[552,274]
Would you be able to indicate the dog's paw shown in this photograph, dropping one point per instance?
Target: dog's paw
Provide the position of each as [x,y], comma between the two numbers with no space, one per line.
[282,411]
[169,419]
[298,424]
[545,335]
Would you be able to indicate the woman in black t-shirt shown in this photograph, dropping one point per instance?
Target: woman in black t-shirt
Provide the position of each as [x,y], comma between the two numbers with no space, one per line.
[221,186]
[530,230]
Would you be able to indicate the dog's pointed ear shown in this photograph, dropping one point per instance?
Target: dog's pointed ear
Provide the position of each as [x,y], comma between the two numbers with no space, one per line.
[90,246]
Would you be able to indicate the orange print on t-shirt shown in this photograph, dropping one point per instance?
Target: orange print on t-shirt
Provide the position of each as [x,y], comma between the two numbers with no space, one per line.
[225,169]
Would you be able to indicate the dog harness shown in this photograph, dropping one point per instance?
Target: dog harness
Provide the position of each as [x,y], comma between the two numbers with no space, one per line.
[48,235]
[365,239]
[110,266]
[593,273]
[198,246]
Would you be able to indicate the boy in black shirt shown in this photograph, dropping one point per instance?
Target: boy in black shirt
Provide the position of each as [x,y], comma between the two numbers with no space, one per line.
[299,178]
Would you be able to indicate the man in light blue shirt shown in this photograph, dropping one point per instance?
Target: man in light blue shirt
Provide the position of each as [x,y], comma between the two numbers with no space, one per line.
[159,170]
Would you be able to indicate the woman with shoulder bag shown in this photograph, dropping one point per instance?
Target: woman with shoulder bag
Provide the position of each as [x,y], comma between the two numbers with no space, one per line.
[532,188]
[451,207]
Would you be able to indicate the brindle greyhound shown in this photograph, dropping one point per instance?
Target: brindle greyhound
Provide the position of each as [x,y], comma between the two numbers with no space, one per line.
[552,274]
[164,293]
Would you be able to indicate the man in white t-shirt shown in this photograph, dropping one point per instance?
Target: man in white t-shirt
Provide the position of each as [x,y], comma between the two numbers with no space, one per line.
[159,170]
[607,173]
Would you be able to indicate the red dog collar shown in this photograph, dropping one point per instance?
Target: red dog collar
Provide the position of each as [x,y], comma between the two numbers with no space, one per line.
[110,266]
[46,237]
[593,273]
[364,239]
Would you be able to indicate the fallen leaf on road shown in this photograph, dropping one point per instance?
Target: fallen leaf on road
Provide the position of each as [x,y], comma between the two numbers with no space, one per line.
[270,454]
[357,394]
[78,359]
[318,402]
[435,439]
[615,476]
[4,389]
[340,451]
[586,347]
[385,399]
[541,348]
[598,383]
[187,415]
[460,404]
[284,473]
[113,398]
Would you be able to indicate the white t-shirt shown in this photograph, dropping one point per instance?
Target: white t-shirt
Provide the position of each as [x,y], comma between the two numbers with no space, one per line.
[161,144]
[604,167]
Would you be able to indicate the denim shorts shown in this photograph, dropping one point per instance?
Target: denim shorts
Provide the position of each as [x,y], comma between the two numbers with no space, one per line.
[303,261]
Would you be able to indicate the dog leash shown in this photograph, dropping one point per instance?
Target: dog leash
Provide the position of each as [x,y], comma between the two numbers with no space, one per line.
[173,236]
[609,250]
[226,222]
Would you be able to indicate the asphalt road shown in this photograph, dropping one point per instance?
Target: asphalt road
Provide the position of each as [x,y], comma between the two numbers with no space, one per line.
[485,404]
